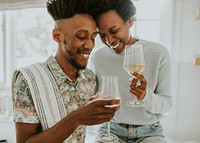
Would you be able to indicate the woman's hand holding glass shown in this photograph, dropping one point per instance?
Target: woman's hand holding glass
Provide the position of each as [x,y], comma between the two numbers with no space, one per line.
[134,64]
[138,90]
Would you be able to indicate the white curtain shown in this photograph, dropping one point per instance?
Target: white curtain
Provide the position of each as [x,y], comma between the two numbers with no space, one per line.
[20,4]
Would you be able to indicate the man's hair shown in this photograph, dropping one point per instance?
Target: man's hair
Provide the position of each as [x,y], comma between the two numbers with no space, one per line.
[124,8]
[61,9]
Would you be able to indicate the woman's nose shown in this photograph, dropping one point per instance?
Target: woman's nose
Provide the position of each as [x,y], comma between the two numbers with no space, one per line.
[109,40]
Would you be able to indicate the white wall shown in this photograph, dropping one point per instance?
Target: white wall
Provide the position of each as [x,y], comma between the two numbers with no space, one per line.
[7,130]
[183,120]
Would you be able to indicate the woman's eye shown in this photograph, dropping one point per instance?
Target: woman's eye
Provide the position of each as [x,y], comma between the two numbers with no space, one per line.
[114,31]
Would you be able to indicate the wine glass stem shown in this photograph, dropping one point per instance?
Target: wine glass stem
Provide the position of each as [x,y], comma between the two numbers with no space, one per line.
[108,129]
[136,100]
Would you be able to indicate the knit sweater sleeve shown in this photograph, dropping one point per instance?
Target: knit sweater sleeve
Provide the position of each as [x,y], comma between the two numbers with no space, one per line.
[159,101]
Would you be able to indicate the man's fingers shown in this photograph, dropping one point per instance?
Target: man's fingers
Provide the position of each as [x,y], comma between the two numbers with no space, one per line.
[99,95]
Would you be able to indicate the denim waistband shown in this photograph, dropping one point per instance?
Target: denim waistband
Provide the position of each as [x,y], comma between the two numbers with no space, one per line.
[135,126]
[130,132]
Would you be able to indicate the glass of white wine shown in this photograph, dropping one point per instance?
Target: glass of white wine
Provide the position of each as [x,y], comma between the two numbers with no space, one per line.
[110,86]
[134,62]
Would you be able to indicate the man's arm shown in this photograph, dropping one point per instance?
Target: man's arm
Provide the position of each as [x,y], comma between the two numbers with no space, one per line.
[92,113]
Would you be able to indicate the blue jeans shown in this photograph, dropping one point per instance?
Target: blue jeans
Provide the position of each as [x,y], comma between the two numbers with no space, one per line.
[126,133]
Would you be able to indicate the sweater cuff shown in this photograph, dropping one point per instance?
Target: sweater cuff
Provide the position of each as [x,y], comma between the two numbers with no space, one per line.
[146,97]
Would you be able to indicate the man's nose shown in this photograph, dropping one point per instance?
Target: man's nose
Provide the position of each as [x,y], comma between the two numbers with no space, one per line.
[89,44]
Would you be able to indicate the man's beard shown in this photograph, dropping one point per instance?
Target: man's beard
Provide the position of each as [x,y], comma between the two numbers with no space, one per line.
[73,60]
[76,65]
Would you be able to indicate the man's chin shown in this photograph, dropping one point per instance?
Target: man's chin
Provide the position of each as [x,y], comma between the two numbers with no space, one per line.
[80,67]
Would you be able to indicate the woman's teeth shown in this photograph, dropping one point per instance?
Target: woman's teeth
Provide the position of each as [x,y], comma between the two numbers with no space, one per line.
[113,47]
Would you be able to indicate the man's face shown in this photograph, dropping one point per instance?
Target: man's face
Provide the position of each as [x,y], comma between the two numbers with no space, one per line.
[78,40]
[114,31]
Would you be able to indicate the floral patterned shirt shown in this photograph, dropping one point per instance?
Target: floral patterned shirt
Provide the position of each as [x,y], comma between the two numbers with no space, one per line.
[74,94]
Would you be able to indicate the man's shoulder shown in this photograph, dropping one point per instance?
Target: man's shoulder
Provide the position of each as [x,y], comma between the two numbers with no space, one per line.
[20,72]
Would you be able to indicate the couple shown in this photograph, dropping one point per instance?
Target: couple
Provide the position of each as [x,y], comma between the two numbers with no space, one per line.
[54,101]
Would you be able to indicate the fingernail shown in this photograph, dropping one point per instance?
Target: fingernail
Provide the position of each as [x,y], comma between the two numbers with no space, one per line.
[130,79]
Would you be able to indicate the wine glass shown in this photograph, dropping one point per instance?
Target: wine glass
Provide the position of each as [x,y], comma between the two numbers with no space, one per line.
[134,62]
[110,86]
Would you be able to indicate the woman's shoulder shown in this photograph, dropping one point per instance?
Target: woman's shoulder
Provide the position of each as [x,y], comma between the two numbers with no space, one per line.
[154,47]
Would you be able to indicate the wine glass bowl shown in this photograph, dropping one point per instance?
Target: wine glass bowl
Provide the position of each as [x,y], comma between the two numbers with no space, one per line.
[134,62]
[109,85]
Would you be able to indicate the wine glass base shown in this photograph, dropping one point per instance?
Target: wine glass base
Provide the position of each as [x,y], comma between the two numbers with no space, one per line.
[106,138]
[132,103]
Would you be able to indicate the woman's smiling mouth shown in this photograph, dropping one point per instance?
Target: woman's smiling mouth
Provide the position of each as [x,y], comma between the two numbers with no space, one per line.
[114,47]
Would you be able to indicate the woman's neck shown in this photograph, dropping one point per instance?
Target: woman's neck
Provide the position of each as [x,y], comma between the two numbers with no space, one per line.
[132,40]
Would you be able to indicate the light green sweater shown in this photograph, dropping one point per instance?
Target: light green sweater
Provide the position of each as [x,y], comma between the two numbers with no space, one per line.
[157,73]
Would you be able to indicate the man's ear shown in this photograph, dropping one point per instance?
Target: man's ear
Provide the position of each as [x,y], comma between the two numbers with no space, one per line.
[57,35]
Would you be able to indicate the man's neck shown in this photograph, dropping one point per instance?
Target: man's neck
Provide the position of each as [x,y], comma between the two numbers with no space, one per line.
[67,68]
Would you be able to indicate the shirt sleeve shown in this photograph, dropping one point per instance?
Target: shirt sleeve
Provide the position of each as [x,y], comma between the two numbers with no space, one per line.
[24,110]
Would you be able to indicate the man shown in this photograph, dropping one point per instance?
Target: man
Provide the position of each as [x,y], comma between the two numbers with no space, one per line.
[53,100]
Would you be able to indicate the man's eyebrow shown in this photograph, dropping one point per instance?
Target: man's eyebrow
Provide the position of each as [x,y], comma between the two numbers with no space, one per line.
[86,31]
[82,30]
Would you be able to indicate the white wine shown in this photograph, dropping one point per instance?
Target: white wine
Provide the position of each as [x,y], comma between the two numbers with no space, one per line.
[134,68]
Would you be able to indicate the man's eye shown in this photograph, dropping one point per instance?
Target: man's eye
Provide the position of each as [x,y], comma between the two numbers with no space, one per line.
[81,37]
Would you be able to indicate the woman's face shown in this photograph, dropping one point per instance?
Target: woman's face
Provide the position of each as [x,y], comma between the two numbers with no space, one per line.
[114,31]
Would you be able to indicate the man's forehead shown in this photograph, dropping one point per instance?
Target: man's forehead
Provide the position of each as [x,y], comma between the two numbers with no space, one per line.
[80,18]
[79,23]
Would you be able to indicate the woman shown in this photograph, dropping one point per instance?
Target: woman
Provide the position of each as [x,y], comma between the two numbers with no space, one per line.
[132,124]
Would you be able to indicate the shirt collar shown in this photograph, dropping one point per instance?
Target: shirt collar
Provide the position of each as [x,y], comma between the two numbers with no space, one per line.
[59,74]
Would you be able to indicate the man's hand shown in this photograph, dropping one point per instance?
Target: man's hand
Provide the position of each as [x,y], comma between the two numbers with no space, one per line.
[95,111]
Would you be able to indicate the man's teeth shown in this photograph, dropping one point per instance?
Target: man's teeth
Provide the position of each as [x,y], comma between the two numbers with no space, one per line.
[113,47]
[85,55]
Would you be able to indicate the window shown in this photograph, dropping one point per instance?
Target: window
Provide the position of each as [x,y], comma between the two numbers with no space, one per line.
[147,25]
[26,40]
[34,41]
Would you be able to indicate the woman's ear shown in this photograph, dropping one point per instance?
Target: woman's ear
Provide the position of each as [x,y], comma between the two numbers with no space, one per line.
[131,21]
[57,35]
